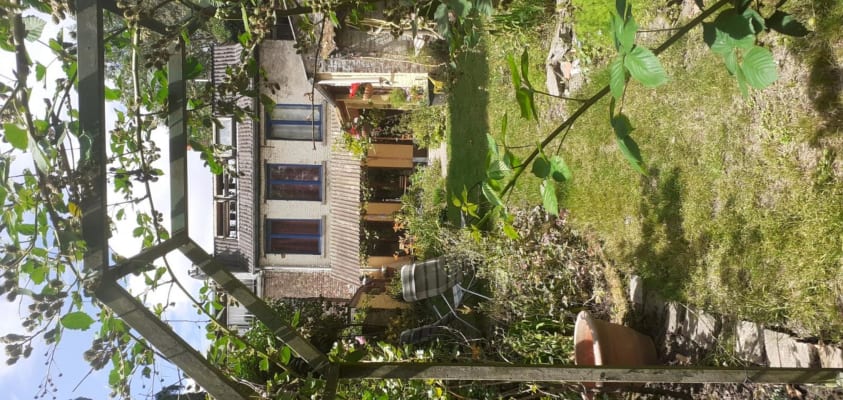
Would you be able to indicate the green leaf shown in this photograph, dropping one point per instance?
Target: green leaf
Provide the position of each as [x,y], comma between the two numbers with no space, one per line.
[549,200]
[492,147]
[541,167]
[26,229]
[334,20]
[193,68]
[525,68]
[510,231]
[34,27]
[264,364]
[756,21]
[40,71]
[497,170]
[443,23]
[627,38]
[38,156]
[511,160]
[16,136]
[296,319]
[514,73]
[114,377]
[645,67]
[112,94]
[491,195]
[731,61]
[737,26]
[245,16]
[759,68]
[559,169]
[77,320]
[616,26]
[623,9]
[524,97]
[617,77]
[286,354]
[784,23]
[162,93]
[629,148]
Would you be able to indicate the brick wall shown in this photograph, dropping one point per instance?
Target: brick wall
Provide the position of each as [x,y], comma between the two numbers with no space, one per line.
[287,284]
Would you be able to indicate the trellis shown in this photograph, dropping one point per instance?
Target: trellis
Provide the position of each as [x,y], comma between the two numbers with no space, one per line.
[91,68]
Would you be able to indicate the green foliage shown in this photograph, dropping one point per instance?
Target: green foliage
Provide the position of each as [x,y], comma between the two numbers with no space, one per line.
[77,320]
[427,125]
[521,16]
[422,210]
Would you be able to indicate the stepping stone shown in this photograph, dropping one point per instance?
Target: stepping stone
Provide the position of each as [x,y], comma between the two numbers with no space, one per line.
[749,342]
[701,328]
[784,351]
[830,356]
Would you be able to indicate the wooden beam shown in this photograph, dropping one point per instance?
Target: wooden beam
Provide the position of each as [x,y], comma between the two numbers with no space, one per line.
[550,373]
[169,343]
[177,123]
[92,135]
[282,330]
[141,261]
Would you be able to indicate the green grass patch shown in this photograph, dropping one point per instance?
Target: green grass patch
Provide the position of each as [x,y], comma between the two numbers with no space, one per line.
[740,211]
[738,214]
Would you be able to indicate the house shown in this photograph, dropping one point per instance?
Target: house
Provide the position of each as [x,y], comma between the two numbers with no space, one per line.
[289,211]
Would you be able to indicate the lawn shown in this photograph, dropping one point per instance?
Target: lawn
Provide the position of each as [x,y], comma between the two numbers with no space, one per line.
[741,210]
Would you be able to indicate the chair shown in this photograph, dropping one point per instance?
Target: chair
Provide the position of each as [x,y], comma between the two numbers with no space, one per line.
[426,280]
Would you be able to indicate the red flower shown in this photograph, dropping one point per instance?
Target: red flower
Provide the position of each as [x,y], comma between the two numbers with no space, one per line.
[352,92]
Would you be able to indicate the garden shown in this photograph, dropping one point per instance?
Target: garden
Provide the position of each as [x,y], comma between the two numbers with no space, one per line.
[723,197]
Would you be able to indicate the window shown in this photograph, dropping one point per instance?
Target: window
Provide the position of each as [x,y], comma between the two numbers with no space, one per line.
[225,131]
[294,182]
[226,218]
[295,122]
[294,236]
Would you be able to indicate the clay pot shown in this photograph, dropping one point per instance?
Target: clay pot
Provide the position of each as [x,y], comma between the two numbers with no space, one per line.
[599,342]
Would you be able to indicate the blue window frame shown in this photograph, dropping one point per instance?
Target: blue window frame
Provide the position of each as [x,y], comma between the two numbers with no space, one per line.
[295,122]
[294,236]
[294,182]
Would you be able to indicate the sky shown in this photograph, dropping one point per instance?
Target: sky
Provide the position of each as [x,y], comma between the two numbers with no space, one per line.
[69,372]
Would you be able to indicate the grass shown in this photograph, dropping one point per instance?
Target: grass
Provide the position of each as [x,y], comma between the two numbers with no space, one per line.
[740,212]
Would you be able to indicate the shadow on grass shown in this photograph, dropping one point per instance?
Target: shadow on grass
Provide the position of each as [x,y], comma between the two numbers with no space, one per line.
[664,254]
[825,81]
[467,143]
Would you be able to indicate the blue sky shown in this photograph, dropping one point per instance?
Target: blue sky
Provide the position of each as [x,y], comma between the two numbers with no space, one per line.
[68,370]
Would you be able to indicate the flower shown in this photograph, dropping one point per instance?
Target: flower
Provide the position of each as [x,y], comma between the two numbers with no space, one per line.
[352,91]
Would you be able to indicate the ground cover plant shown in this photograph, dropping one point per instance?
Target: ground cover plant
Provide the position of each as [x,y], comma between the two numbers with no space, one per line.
[736,185]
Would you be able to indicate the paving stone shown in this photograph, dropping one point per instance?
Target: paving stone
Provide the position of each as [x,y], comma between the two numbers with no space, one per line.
[674,319]
[830,356]
[784,351]
[636,292]
[701,328]
[749,342]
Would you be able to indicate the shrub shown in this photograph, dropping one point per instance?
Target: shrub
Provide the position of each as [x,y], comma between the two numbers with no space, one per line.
[428,125]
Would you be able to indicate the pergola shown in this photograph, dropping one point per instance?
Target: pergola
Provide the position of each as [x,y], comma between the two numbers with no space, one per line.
[91,68]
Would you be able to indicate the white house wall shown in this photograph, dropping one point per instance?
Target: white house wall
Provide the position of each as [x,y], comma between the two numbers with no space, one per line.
[284,67]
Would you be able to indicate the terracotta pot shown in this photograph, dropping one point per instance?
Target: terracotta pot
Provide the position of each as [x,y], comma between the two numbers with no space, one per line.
[599,342]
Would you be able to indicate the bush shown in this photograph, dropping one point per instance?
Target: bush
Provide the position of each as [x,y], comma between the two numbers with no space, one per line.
[422,208]
[427,124]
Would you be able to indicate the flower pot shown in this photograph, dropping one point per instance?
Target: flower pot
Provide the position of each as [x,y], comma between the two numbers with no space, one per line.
[599,342]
